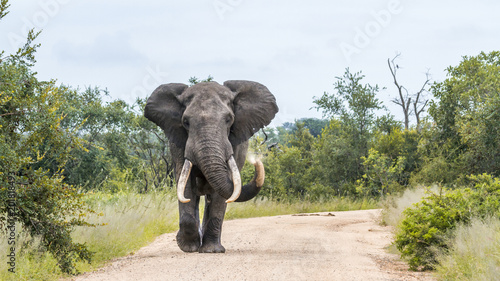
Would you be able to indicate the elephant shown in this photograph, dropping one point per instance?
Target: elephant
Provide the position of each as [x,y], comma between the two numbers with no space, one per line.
[208,126]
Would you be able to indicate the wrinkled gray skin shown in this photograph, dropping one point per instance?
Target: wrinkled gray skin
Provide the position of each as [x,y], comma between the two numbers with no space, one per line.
[207,124]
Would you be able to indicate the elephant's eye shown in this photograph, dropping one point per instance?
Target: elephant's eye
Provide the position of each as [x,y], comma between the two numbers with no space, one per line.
[229,119]
[185,122]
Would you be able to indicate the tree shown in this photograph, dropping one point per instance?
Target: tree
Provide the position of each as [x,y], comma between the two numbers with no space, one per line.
[382,174]
[467,114]
[346,140]
[34,149]
[314,125]
[119,142]
[359,114]
[405,99]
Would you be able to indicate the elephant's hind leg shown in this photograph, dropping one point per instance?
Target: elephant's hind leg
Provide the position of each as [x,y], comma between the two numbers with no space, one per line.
[215,208]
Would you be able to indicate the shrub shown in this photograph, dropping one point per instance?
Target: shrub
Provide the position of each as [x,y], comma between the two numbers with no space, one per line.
[33,151]
[426,226]
[381,174]
[34,148]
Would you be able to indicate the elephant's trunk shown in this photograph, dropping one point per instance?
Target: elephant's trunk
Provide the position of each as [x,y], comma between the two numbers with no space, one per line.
[224,177]
[186,170]
[216,171]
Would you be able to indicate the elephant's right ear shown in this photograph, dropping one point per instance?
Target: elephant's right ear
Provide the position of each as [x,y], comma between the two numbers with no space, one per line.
[165,110]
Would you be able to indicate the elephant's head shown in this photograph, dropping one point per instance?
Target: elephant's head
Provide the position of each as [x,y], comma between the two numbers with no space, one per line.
[208,121]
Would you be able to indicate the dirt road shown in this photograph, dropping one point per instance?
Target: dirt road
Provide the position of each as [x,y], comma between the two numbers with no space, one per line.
[324,246]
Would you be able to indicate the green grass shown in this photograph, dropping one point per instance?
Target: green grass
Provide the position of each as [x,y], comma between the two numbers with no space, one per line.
[134,220]
[474,254]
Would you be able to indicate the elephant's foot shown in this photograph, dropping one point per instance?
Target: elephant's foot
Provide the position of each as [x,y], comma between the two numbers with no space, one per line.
[212,248]
[188,237]
[188,245]
[211,237]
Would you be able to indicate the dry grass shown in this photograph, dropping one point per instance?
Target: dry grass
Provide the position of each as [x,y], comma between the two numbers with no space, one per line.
[474,254]
[132,221]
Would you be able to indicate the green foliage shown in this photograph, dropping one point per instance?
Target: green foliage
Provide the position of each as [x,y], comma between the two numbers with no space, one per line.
[381,174]
[337,161]
[467,114]
[119,144]
[286,174]
[361,101]
[314,125]
[4,5]
[342,145]
[34,149]
[424,230]
[398,144]
[193,80]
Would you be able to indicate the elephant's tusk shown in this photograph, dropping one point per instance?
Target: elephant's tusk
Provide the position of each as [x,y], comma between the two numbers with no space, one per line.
[181,185]
[236,180]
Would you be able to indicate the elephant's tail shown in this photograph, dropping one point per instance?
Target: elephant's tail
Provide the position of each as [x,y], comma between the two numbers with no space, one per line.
[251,189]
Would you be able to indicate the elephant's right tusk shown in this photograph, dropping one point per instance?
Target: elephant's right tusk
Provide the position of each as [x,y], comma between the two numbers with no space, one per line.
[181,185]
[236,180]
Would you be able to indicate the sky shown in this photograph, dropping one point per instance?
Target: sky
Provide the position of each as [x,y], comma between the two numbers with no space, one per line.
[295,48]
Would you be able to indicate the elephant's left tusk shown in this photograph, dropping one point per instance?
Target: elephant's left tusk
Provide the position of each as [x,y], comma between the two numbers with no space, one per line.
[236,180]
[181,185]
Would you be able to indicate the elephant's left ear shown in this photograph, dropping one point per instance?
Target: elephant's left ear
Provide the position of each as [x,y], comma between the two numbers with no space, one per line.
[254,108]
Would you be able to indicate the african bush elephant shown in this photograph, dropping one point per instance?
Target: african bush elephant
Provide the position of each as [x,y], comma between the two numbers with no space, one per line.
[208,126]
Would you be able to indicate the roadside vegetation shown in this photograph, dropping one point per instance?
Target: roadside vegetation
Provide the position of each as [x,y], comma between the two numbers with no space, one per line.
[84,180]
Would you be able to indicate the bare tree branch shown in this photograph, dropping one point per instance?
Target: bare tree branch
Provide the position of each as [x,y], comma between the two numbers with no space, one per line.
[404,100]
[13,113]
[418,95]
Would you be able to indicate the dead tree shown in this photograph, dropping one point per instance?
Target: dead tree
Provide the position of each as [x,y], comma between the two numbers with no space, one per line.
[405,99]
[422,103]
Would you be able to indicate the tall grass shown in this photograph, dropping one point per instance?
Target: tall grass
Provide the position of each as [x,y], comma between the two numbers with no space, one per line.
[474,253]
[134,220]
[131,222]
[30,264]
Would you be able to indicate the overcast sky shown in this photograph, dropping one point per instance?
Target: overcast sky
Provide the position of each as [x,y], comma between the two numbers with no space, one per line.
[295,48]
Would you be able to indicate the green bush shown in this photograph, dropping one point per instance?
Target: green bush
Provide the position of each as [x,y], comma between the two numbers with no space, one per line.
[381,174]
[423,232]
[34,149]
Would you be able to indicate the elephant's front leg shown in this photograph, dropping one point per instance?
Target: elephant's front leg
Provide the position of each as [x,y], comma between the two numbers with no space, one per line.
[188,237]
[215,208]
